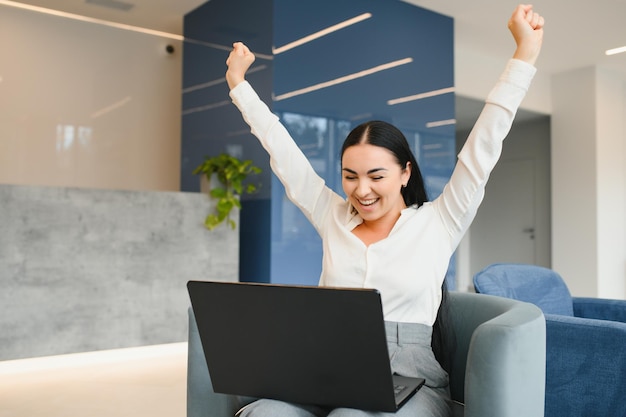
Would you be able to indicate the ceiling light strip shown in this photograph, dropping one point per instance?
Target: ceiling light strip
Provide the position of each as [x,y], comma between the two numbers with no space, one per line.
[219,80]
[321,33]
[91,20]
[225,48]
[344,79]
[441,123]
[205,107]
[204,85]
[421,96]
[361,116]
[132,28]
[237,133]
[615,51]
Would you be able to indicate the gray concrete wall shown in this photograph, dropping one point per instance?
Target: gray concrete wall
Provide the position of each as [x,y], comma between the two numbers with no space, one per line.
[85,269]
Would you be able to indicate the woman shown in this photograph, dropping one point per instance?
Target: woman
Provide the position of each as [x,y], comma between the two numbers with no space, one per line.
[386,235]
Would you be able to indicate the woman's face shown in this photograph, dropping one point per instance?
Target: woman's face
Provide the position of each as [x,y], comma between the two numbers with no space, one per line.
[372,180]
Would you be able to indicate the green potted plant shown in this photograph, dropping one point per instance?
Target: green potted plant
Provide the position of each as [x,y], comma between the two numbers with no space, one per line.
[230,172]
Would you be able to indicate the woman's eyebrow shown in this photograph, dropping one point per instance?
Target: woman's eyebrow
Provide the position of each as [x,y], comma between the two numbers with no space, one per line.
[371,171]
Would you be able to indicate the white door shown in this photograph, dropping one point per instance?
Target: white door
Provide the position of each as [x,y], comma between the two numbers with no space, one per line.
[504,228]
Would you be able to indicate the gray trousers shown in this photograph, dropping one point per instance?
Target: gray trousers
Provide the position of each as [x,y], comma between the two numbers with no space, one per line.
[410,355]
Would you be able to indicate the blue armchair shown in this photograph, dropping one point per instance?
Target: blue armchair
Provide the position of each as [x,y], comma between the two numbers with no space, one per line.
[585,340]
[498,366]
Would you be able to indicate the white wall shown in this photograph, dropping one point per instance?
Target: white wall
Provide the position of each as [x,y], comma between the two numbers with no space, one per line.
[475,75]
[573,173]
[589,182]
[528,140]
[87,105]
[588,169]
[611,179]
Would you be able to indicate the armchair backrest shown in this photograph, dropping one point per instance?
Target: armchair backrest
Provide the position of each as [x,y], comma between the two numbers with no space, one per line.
[530,283]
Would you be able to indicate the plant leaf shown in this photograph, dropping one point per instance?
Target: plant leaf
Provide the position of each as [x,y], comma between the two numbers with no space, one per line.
[231,172]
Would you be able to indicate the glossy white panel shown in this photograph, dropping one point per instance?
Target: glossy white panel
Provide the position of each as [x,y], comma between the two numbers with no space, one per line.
[87,105]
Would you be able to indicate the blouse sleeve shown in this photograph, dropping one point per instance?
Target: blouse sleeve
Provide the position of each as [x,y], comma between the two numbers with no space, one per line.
[303,186]
[461,197]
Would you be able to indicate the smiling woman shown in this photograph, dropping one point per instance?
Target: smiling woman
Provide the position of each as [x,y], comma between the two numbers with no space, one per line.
[374,192]
[373,178]
[386,235]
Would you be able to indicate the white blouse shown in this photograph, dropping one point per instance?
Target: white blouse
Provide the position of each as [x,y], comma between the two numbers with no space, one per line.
[409,266]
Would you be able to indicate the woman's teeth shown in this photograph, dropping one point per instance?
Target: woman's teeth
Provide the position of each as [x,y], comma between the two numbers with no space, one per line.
[368,202]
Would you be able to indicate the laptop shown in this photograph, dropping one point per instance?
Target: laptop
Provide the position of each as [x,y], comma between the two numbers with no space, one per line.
[301,344]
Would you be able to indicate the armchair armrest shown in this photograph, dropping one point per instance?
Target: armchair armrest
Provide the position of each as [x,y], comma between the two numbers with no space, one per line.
[201,400]
[586,364]
[500,356]
[600,308]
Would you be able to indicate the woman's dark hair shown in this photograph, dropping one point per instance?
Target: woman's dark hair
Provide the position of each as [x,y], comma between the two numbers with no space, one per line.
[385,135]
[443,340]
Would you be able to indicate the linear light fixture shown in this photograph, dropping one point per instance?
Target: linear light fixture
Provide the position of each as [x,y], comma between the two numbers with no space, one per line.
[206,107]
[441,123]
[204,85]
[344,79]
[122,26]
[321,33]
[91,20]
[222,80]
[361,116]
[615,50]
[420,96]
[432,146]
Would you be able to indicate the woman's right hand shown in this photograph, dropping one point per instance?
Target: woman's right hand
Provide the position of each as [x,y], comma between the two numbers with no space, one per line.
[526,26]
[238,62]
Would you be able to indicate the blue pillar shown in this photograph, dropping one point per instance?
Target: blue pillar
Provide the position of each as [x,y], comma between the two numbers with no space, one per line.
[382,50]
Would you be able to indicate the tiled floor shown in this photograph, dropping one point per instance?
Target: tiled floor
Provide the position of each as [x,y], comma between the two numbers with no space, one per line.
[129,382]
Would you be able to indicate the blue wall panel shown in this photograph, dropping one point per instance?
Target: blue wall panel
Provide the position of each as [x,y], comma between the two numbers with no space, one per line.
[280,246]
[211,124]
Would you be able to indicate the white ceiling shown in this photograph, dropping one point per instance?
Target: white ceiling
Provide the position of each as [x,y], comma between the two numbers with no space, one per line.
[576,35]
[577,32]
[163,15]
